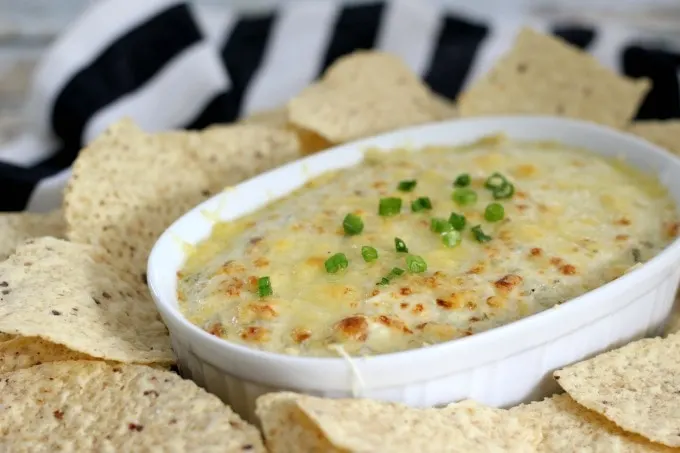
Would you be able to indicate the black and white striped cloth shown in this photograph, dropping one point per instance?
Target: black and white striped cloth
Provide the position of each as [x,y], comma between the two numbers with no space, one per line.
[161,64]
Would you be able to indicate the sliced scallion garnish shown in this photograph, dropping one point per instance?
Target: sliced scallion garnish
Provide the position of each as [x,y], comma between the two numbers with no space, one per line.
[463,180]
[457,221]
[464,196]
[494,212]
[389,206]
[264,287]
[421,204]
[408,185]
[369,253]
[415,264]
[352,224]
[400,245]
[336,262]
[479,235]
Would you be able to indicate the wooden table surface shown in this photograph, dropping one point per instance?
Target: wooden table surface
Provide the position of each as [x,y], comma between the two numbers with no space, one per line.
[27,27]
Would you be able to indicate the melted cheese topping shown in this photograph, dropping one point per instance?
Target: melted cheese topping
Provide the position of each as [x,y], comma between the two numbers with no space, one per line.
[576,221]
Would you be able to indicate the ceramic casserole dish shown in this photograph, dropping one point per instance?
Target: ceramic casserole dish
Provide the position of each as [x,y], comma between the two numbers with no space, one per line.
[500,367]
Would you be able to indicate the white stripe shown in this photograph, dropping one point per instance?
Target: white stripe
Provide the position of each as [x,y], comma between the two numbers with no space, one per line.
[409,29]
[25,151]
[48,194]
[214,22]
[608,45]
[499,39]
[293,55]
[102,23]
[172,98]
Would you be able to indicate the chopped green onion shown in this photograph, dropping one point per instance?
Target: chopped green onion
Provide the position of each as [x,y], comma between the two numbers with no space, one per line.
[507,190]
[352,224]
[457,221]
[389,206]
[395,272]
[451,238]
[407,186]
[495,181]
[479,234]
[494,212]
[264,287]
[336,263]
[439,225]
[464,196]
[369,253]
[416,264]
[400,245]
[462,180]
[421,204]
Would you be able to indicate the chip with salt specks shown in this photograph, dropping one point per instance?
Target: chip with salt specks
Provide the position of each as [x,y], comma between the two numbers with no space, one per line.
[95,406]
[569,427]
[363,94]
[637,387]
[358,425]
[543,75]
[665,134]
[127,186]
[287,429]
[232,153]
[19,352]
[16,227]
[69,294]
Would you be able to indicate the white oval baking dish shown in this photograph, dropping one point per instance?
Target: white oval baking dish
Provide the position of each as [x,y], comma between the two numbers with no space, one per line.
[500,367]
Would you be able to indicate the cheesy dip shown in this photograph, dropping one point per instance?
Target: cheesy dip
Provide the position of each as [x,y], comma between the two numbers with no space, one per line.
[408,249]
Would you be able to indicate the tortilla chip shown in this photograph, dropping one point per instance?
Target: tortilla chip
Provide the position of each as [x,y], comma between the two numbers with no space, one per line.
[287,429]
[69,294]
[363,94]
[94,406]
[568,427]
[637,387]
[16,227]
[277,117]
[444,108]
[543,75]
[127,187]
[233,153]
[24,352]
[357,425]
[665,134]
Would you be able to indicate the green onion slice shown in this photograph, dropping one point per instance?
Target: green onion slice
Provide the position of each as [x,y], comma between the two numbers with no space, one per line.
[421,204]
[400,245]
[495,181]
[463,180]
[408,185]
[369,253]
[439,225]
[264,287]
[503,192]
[494,212]
[389,206]
[464,196]
[336,262]
[452,238]
[394,273]
[479,235]
[353,224]
[415,264]
[457,221]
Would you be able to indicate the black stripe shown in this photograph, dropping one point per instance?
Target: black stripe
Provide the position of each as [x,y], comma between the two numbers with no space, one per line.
[356,27]
[123,67]
[17,185]
[242,55]
[455,50]
[576,35]
[661,66]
